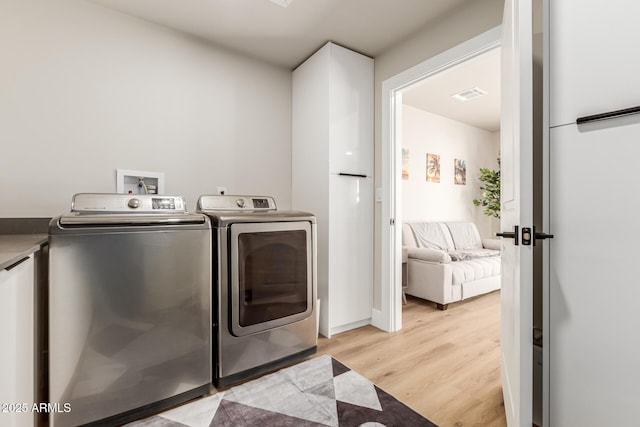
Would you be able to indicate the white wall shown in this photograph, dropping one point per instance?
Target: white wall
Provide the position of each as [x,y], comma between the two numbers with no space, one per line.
[85,91]
[471,19]
[424,132]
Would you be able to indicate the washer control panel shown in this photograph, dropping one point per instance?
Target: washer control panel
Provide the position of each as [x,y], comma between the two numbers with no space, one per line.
[118,203]
[164,203]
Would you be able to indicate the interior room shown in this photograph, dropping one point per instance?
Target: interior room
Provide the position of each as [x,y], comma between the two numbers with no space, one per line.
[434,118]
[450,133]
[199,100]
[203,210]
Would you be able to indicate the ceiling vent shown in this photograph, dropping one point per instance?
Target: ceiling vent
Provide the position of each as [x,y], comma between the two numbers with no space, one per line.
[283,3]
[468,94]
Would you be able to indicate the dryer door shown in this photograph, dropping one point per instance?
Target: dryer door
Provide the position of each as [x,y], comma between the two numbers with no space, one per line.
[271,275]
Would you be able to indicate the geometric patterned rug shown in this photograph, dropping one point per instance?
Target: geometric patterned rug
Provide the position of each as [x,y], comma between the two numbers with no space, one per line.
[317,392]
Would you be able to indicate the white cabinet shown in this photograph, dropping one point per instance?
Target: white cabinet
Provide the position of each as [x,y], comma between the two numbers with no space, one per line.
[17,352]
[593,63]
[593,290]
[351,112]
[332,168]
[592,352]
[350,250]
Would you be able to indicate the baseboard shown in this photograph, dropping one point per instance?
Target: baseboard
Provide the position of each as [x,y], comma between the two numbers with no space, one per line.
[378,320]
[349,326]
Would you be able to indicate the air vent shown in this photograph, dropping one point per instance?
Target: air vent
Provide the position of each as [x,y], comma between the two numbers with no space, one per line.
[283,3]
[468,94]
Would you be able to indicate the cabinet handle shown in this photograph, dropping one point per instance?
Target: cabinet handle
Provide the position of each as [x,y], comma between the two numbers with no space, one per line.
[14,265]
[607,116]
[356,175]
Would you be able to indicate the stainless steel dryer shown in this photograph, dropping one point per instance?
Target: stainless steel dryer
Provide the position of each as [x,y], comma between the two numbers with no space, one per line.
[264,285]
[129,308]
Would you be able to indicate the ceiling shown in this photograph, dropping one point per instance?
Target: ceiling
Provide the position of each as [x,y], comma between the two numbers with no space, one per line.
[287,36]
[434,94]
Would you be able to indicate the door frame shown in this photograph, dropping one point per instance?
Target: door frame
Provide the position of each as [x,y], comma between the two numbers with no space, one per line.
[389,318]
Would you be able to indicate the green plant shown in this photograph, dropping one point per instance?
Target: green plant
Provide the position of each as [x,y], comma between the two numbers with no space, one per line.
[490,191]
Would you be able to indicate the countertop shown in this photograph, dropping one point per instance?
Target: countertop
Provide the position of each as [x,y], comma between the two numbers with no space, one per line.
[14,247]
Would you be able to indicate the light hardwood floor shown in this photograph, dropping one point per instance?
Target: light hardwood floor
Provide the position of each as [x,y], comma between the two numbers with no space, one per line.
[443,364]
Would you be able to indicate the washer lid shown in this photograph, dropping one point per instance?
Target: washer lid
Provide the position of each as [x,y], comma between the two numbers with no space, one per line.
[111,210]
[113,220]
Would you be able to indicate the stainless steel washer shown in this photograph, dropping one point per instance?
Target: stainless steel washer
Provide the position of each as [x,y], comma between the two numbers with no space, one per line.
[129,308]
[264,285]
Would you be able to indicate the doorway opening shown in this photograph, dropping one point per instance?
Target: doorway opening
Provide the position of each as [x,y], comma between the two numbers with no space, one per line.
[450,134]
[415,118]
[393,91]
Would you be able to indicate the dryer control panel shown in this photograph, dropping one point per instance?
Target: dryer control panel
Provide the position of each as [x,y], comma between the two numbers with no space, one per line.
[229,202]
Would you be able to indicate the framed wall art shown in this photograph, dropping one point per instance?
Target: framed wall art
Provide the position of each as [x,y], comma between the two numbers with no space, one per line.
[433,167]
[460,172]
[405,163]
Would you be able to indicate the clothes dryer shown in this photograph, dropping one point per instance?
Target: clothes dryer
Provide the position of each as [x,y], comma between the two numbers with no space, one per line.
[264,285]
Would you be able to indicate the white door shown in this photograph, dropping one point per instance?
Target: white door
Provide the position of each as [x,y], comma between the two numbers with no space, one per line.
[517,210]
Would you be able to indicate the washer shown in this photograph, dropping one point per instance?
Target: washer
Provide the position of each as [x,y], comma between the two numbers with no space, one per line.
[129,308]
[264,285]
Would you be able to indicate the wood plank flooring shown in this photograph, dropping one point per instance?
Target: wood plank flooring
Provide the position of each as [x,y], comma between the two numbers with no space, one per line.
[443,364]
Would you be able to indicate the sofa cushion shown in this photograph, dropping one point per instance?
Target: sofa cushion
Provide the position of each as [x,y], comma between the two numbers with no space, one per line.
[474,269]
[408,239]
[433,235]
[472,254]
[465,235]
[492,244]
[428,254]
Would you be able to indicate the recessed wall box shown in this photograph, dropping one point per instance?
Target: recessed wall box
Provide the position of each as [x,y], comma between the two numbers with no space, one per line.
[139,182]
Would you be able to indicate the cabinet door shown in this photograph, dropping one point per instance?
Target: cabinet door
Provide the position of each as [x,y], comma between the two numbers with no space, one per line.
[593,63]
[593,288]
[350,251]
[351,112]
[8,314]
[17,382]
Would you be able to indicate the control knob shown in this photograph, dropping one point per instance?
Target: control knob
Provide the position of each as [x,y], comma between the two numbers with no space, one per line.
[134,203]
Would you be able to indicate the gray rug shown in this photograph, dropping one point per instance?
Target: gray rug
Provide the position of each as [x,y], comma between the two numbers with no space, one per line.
[317,392]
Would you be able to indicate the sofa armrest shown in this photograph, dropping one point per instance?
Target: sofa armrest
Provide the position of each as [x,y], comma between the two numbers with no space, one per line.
[427,254]
[491,244]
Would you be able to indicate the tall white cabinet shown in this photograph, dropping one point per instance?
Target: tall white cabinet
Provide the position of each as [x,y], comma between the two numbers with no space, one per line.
[593,293]
[332,174]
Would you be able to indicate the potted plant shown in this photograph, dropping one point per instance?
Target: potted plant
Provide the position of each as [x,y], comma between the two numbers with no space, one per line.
[490,191]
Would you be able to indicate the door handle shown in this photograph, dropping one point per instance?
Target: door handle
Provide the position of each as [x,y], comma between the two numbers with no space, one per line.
[540,236]
[511,235]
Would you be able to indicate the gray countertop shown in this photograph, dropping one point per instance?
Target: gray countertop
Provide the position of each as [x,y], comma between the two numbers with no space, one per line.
[14,247]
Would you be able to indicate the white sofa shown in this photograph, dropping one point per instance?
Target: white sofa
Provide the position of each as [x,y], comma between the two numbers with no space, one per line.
[449,262]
